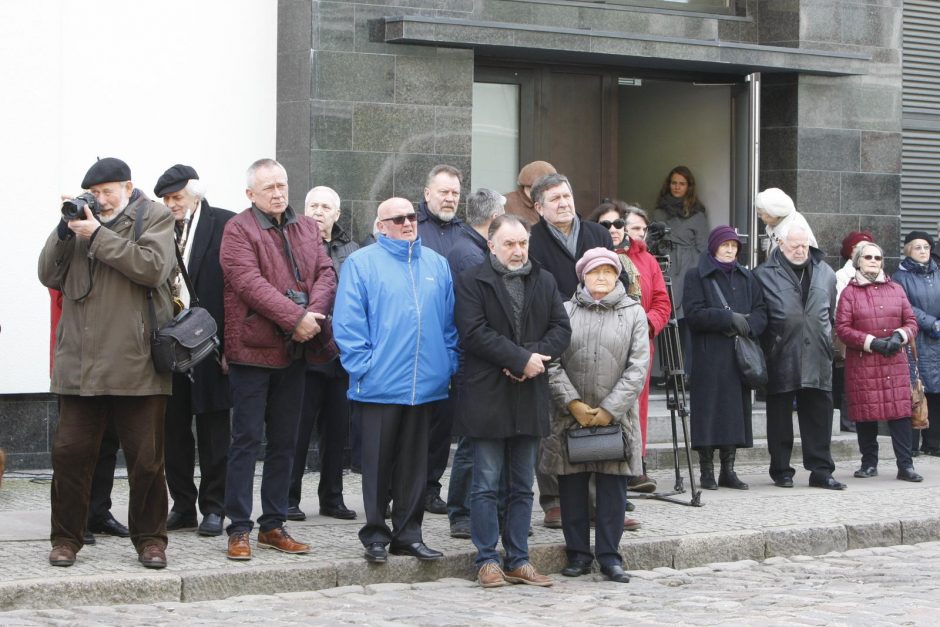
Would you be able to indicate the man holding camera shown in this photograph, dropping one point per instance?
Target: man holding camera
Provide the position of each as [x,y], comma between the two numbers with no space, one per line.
[279,284]
[111,249]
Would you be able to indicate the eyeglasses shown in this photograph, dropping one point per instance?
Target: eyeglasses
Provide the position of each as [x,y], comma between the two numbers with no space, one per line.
[871,257]
[399,220]
[617,224]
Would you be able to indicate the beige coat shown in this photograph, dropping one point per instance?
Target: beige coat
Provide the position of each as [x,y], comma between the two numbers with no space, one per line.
[605,365]
[102,341]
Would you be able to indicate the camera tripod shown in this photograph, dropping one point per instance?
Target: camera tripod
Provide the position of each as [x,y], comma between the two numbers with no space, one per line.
[670,356]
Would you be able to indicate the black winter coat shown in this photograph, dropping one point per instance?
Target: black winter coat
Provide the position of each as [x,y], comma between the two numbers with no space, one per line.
[496,406]
[545,248]
[798,339]
[469,250]
[436,234]
[720,403]
[210,390]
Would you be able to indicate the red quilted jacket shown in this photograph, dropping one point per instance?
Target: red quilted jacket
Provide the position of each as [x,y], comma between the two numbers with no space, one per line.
[878,387]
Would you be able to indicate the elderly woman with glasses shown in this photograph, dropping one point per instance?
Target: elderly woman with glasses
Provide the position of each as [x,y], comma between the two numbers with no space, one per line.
[919,275]
[875,320]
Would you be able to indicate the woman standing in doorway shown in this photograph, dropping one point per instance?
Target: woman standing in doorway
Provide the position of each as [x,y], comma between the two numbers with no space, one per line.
[679,208]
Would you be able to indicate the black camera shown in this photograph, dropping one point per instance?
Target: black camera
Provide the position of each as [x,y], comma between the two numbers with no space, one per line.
[657,239]
[74,209]
[298,297]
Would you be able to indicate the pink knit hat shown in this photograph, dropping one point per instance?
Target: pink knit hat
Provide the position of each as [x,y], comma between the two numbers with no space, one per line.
[595,258]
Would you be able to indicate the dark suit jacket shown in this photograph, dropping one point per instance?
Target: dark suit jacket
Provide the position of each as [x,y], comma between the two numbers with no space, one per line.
[210,387]
[555,258]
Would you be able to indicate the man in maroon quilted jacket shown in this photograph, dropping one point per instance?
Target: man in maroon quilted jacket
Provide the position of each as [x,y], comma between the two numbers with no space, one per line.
[279,284]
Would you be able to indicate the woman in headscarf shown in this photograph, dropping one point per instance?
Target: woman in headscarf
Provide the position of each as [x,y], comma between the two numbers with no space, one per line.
[722,300]
[778,213]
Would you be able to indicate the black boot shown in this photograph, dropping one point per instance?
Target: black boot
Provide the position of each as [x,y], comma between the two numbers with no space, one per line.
[727,478]
[707,465]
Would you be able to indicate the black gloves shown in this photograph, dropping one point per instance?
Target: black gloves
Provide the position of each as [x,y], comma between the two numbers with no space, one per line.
[739,324]
[894,342]
[63,230]
[881,346]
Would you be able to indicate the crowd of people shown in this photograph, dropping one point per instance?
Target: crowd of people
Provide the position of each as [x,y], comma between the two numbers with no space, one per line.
[514,329]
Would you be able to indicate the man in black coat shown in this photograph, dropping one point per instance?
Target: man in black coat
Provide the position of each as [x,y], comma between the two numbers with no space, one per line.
[208,397]
[558,240]
[512,322]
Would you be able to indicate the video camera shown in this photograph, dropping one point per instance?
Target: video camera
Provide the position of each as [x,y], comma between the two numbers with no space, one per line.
[656,239]
[74,209]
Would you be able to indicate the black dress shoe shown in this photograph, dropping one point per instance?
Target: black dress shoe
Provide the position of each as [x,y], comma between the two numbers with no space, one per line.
[295,513]
[908,474]
[933,452]
[434,504]
[341,512]
[418,550]
[180,522]
[88,537]
[376,553]
[615,572]
[785,482]
[211,525]
[576,569]
[829,483]
[108,526]
[865,472]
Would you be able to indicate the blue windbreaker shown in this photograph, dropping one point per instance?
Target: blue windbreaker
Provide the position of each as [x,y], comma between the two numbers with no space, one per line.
[394,323]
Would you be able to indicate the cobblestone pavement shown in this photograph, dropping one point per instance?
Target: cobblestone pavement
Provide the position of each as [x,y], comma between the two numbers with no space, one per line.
[871,587]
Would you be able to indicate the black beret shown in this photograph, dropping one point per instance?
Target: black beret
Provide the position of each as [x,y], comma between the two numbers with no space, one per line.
[924,235]
[174,179]
[107,170]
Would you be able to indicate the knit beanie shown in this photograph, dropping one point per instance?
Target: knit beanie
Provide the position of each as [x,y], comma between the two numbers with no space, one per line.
[720,235]
[852,240]
[924,235]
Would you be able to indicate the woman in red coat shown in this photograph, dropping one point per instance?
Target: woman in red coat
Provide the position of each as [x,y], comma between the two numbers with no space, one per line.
[875,320]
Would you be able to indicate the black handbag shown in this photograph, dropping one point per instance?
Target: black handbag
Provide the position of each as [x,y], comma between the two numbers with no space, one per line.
[748,354]
[190,337]
[597,444]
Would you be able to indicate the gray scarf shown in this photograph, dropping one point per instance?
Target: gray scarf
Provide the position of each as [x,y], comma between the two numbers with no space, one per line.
[513,280]
[570,241]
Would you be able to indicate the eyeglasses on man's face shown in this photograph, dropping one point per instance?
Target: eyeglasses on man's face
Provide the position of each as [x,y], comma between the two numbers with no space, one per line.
[399,220]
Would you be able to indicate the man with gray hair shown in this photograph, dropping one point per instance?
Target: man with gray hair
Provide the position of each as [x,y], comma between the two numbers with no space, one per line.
[469,251]
[207,396]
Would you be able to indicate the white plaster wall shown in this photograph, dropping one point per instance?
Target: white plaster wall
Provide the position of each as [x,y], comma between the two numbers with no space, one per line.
[154,82]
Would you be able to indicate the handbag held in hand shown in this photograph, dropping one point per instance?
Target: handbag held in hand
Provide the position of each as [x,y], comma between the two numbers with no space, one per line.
[596,444]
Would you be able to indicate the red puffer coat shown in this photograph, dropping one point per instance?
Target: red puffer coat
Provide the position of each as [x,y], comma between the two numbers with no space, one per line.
[878,387]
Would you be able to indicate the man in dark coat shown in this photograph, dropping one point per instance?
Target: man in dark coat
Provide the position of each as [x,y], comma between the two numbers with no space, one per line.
[511,322]
[558,240]
[439,229]
[470,250]
[800,292]
[207,396]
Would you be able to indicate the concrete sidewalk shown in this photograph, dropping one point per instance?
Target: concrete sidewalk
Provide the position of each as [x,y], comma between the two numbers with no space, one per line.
[731,525]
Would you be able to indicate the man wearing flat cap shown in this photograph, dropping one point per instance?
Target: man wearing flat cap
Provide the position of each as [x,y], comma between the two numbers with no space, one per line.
[207,395]
[108,262]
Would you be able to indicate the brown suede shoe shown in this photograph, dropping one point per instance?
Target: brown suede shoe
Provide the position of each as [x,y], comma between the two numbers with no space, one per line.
[492,576]
[279,539]
[528,575]
[152,556]
[61,555]
[239,546]
[553,518]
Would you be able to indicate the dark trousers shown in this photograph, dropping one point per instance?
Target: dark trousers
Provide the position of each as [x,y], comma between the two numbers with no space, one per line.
[439,438]
[900,430]
[326,408]
[138,421]
[548,484]
[102,481]
[213,436]
[266,402]
[394,461]
[928,440]
[608,513]
[814,411]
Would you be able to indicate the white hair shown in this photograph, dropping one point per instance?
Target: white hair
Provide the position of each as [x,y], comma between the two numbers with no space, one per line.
[257,165]
[196,188]
[329,191]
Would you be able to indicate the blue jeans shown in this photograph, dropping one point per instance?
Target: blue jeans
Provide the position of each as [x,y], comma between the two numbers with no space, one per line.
[461,474]
[265,401]
[490,457]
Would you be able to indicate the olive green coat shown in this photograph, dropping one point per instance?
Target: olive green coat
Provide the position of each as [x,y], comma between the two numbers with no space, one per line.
[102,341]
[605,365]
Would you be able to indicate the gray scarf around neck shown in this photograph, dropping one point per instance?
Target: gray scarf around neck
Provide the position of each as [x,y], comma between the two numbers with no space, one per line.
[513,280]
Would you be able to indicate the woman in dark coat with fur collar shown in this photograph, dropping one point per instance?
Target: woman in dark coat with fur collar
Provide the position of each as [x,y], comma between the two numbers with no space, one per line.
[720,401]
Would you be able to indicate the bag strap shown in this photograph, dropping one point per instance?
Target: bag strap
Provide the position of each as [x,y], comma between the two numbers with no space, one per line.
[721,296]
[138,230]
[193,299]
[913,348]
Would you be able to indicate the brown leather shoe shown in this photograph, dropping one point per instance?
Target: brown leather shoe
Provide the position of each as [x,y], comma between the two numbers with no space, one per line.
[528,575]
[61,555]
[553,518]
[492,576]
[279,539]
[152,556]
[239,546]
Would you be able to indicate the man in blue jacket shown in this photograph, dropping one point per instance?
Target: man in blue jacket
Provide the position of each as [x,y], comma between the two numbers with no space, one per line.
[394,324]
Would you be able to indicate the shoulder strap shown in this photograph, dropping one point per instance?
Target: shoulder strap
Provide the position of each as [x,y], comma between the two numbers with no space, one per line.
[721,296]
